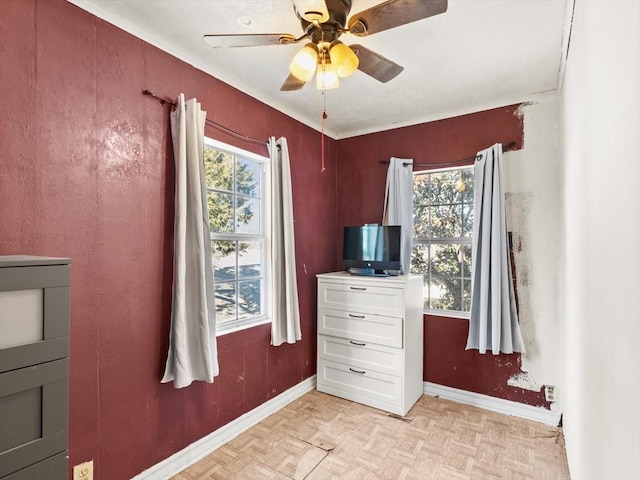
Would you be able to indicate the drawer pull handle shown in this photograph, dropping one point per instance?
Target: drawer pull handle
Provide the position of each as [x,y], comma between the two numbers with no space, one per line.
[356,316]
[356,343]
[359,288]
[361,372]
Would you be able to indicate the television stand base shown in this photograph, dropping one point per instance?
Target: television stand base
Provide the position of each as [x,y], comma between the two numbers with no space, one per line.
[370,272]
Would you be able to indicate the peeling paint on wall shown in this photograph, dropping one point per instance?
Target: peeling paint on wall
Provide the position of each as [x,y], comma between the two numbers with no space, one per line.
[518,210]
[533,210]
[524,380]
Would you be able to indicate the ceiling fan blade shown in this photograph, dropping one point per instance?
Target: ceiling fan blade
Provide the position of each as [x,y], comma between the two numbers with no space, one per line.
[249,40]
[292,83]
[393,13]
[375,65]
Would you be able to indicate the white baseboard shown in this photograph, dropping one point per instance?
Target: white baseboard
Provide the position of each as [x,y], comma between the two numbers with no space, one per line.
[203,447]
[494,404]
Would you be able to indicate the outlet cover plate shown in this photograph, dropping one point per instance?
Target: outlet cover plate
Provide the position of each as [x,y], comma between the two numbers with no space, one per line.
[83,471]
[550,393]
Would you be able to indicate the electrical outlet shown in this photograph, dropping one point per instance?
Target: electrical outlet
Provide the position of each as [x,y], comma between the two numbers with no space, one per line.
[550,393]
[84,471]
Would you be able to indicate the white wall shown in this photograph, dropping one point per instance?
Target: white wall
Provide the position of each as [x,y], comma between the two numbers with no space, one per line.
[533,184]
[601,286]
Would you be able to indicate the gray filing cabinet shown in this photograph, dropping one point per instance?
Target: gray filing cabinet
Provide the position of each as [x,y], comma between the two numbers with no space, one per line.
[34,365]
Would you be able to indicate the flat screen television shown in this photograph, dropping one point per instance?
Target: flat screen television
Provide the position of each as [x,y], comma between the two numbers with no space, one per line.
[372,250]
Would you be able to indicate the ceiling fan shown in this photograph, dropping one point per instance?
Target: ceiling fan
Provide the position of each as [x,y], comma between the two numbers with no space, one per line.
[323,21]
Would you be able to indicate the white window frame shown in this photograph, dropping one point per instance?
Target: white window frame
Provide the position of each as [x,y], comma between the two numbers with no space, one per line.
[456,240]
[264,237]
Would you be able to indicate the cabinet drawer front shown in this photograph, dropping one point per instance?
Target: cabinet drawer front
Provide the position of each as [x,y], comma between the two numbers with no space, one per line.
[52,468]
[367,356]
[361,327]
[33,413]
[361,298]
[372,385]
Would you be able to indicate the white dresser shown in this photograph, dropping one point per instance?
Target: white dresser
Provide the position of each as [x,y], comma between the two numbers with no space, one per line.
[370,332]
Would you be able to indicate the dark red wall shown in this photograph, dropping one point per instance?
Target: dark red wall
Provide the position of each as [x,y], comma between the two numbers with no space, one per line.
[361,184]
[86,172]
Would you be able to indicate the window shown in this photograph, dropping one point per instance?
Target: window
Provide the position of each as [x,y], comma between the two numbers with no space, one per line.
[443,223]
[236,192]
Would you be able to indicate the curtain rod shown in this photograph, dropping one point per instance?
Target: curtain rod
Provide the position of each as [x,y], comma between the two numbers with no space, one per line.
[222,128]
[505,147]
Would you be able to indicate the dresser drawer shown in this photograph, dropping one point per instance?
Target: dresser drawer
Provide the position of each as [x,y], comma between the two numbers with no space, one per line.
[361,327]
[52,468]
[367,356]
[356,383]
[34,323]
[33,415]
[361,298]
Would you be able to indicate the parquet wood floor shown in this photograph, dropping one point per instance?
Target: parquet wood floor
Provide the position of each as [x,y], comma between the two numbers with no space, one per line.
[321,437]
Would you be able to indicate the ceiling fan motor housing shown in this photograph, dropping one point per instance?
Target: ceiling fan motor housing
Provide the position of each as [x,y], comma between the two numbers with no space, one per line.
[331,29]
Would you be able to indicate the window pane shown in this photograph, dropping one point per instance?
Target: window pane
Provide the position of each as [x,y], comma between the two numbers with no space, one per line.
[442,266]
[421,190]
[434,293]
[443,188]
[421,221]
[467,178]
[466,295]
[248,216]
[420,266]
[447,295]
[220,212]
[446,221]
[248,177]
[466,261]
[446,261]
[218,169]
[467,220]
[250,259]
[249,300]
[225,294]
[445,279]
[420,260]
[224,260]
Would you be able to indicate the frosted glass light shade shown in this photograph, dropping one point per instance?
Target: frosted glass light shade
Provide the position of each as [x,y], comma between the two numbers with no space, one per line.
[304,64]
[344,59]
[327,77]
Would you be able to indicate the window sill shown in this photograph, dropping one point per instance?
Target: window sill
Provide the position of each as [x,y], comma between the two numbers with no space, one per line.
[448,314]
[236,328]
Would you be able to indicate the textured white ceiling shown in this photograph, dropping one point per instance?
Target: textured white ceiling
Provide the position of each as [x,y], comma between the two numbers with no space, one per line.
[480,54]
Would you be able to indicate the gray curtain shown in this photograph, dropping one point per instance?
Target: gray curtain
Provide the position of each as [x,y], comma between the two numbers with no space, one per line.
[192,342]
[493,324]
[285,324]
[398,205]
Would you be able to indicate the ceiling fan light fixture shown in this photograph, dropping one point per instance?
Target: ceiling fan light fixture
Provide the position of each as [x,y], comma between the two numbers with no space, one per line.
[304,64]
[312,10]
[345,60]
[327,77]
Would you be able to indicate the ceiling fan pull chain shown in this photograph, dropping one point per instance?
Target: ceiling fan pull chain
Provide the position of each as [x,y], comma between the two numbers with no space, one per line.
[324,117]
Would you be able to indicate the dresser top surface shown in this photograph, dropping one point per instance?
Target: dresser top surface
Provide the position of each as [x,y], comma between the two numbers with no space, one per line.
[30,261]
[346,276]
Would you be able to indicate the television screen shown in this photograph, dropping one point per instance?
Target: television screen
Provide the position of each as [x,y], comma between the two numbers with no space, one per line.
[371,249]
